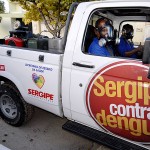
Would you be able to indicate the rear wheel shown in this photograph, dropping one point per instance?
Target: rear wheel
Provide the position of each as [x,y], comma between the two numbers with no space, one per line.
[13,109]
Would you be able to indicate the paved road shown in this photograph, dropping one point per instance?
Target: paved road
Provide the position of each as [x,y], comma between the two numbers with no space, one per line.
[44,132]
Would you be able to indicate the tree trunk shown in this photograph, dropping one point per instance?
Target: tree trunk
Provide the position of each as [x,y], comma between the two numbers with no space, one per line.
[46,23]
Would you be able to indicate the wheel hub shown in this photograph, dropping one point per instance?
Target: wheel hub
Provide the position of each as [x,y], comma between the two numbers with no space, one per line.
[8,106]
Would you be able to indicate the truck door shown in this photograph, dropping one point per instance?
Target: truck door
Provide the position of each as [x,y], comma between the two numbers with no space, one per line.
[109,93]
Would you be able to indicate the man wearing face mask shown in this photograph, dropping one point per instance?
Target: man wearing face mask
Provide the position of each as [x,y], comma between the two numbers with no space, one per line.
[126,47]
[98,46]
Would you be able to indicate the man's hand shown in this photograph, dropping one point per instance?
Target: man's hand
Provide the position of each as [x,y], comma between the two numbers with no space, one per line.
[140,48]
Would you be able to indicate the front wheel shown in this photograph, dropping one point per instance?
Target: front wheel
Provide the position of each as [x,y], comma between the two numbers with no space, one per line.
[13,109]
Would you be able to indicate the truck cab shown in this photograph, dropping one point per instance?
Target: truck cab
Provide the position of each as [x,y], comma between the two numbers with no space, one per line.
[108,93]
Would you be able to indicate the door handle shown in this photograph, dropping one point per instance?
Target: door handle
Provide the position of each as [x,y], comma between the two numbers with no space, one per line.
[83,65]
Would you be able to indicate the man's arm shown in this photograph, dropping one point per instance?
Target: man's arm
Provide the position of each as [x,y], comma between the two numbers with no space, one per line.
[134,51]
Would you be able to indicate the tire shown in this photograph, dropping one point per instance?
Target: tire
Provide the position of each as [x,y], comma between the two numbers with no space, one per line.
[13,109]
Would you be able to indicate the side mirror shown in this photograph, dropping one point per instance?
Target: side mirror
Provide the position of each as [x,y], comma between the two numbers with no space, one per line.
[146,53]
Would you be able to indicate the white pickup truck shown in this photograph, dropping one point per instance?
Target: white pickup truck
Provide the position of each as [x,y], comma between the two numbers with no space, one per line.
[106,99]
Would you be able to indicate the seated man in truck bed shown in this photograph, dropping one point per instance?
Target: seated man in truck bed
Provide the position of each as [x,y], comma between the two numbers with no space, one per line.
[98,47]
[125,47]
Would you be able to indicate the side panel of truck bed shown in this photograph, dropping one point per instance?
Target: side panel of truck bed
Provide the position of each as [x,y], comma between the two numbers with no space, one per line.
[36,74]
